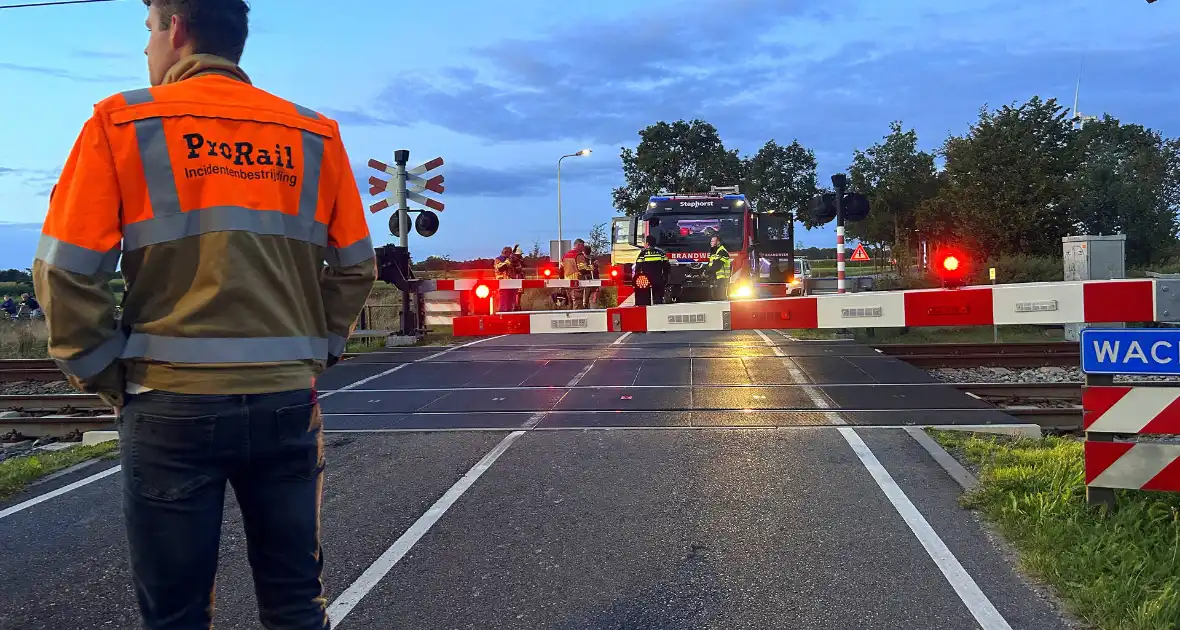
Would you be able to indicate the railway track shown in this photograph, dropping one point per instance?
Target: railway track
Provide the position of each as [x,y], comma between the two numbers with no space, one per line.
[933,355]
[1009,355]
[45,370]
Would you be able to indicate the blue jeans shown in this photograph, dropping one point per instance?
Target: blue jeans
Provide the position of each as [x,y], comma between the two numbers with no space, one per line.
[178,452]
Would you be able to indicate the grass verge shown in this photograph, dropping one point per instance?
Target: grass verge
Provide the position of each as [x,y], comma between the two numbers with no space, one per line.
[980,334]
[438,336]
[18,472]
[1117,570]
[969,334]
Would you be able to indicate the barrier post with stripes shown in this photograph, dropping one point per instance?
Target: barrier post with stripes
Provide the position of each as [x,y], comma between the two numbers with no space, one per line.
[1132,434]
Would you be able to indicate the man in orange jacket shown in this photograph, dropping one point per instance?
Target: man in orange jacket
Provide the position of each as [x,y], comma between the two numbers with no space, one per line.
[247,260]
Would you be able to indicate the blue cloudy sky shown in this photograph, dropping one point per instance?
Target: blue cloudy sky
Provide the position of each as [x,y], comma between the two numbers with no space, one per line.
[502,89]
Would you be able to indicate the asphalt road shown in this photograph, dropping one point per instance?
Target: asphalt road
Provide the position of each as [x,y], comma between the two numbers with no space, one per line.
[661,480]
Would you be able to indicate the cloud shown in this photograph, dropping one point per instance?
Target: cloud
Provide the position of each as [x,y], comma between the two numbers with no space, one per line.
[41,180]
[473,180]
[597,81]
[73,75]
[358,118]
[103,54]
[760,68]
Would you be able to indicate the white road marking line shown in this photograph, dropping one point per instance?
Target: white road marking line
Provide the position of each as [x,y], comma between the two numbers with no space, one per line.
[815,394]
[110,471]
[586,370]
[352,596]
[977,603]
[980,606]
[348,600]
[436,355]
[621,339]
[19,507]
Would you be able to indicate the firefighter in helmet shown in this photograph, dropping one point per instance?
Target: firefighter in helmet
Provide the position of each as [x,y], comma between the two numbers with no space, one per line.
[652,271]
[718,268]
[503,266]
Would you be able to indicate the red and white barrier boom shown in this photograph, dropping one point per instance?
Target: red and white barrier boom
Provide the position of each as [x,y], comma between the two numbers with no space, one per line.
[1132,433]
[1094,302]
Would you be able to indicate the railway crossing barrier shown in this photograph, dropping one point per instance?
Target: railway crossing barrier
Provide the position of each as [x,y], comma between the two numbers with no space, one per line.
[1049,303]
[1132,433]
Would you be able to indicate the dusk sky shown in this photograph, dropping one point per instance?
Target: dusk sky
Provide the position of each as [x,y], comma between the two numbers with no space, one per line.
[502,89]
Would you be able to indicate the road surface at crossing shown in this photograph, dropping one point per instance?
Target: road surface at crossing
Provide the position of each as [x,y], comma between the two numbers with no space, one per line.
[659,480]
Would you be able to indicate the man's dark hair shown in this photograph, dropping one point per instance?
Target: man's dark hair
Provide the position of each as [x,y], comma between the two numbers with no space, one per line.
[650,240]
[218,27]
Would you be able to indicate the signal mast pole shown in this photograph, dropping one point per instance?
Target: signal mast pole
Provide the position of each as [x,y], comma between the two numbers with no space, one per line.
[840,182]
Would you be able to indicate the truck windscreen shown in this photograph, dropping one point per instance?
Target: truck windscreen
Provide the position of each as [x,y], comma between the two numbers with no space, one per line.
[691,232]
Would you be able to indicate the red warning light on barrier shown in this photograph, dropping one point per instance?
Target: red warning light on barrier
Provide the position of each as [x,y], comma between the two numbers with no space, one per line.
[952,268]
[547,273]
[482,291]
[615,272]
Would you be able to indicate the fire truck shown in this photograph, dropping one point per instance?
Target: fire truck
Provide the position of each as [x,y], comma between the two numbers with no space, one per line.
[760,244]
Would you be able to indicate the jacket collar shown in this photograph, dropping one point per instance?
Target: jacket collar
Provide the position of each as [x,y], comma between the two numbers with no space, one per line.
[198,64]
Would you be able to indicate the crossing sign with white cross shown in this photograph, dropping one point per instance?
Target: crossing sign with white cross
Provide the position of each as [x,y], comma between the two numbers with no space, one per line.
[406,185]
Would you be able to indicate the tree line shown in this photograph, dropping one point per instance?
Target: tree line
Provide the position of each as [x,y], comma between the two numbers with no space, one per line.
[1020,178]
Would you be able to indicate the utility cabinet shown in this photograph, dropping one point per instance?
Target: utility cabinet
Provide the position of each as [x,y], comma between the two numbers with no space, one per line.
[1093,258]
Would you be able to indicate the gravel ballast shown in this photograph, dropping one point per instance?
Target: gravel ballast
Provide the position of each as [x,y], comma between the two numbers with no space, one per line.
[1030,375]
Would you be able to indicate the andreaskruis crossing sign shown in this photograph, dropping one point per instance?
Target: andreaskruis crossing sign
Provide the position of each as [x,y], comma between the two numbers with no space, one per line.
[416,185]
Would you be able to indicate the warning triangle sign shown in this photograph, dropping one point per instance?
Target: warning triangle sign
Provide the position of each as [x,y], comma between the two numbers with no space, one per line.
[860,255]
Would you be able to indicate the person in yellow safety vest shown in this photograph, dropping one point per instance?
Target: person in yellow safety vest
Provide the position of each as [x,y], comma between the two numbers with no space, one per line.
[652,270]
[504,271]
[575,265]
[719,268]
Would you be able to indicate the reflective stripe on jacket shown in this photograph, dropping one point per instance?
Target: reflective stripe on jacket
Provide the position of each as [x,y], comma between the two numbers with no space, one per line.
[575,265]
[242,233]
[651,254]
[503,266]
[719,262]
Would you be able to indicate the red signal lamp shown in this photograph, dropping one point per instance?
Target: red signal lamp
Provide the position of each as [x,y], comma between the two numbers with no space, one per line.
[614,272]
[952,268]
[482,291]
[547,273]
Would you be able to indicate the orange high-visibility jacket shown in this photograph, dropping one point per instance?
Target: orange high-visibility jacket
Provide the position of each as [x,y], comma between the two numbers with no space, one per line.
[243,239]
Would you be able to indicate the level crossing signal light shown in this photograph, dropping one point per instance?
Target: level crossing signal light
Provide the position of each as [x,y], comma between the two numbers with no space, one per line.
[952,268]
[482,291]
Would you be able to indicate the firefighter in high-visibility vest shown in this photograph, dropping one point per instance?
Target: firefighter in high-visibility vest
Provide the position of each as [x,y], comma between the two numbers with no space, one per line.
[652,271]
[718,268]
[503,265]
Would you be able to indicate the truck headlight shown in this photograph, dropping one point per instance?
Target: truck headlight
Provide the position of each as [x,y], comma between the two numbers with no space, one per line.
[742,291]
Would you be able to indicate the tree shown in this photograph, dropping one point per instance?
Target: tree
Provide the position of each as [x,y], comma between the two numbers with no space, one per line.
[680,157]
[1123,182]
[1008,184]
[896,178]
[598,241]
[782,178]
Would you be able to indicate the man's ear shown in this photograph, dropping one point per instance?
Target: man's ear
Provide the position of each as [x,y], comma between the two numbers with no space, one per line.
[177,32]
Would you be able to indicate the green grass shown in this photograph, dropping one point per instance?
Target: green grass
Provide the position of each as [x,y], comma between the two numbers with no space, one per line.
[438,336]
[17,473]
[1117,570]
[24,340]
[980,334]
[968,334]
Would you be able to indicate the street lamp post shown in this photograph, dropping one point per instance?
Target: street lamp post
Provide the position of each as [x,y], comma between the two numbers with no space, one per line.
[560,247]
